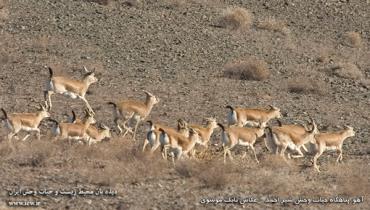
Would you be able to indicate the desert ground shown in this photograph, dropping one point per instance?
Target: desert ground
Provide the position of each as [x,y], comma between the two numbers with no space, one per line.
[197,56]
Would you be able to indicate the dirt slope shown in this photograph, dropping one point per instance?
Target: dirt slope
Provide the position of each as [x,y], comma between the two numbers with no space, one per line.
[177,51]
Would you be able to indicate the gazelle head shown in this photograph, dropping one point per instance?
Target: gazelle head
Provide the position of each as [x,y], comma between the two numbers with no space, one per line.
[193,134]
[44,110]
[349,130]
[211,122]
[276,111]
[150,98]
[150,125]
[89,77]
[106,131]
[181,124]
[89,117]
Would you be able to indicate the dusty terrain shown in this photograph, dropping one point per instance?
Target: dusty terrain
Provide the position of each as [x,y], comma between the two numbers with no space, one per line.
[316,54]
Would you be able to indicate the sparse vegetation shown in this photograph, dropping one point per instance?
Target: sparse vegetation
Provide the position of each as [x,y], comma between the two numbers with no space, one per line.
[236,18]
[323,55]
[101,2]
[132,3]
[304,85]
[272,24]
[247,69]
[347,70]
[353,39]
[170,47]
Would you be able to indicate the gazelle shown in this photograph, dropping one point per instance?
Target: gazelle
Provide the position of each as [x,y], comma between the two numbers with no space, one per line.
[178,143]
[70,87]
[25,121]
[95,134]
[291,136]
[243,136]
[74,131]
[331,141]
[205,133]
[127,110]
[153,134]
[295,129]
[252,116]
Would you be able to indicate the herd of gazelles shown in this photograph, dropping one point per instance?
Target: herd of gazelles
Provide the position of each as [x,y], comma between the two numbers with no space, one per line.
[181,140]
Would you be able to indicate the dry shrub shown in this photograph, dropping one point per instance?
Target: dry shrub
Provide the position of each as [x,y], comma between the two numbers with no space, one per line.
[186,169]
[271,24]
[210,174]
[174,3]
[236,18]
[41,43]
[4,14]
[323,55]
[352,178]
[33,154]
[109,164]
[4,58]
[270,178]
[132,3]
[214,177]
[304,85]
[2,4]
[365,83]
[353,39]
[6,148]
[101,2]
[347,70]
[247,69]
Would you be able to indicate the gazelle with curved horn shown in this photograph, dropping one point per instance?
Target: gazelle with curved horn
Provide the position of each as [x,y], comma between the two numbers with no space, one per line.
[331,141]
[243,136]
[74,131]
[70,87]
[25,121]
[178,144]
[295,129]
[127,110]
[291,136]
[153,134]
[205,133]
[253,116]
[96,134]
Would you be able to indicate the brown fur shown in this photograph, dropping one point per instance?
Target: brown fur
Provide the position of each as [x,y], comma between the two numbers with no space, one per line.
[331,140]
[254,116]
[25,121]
[179,142]
[234,135]
[71,87]
[127,110]
[292,136]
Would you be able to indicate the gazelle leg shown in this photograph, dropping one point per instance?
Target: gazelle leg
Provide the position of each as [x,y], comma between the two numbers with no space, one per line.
[135,129]
[144,145]
[254,152]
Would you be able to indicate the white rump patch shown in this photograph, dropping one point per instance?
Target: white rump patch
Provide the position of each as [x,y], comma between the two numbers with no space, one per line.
[232,118]
[151,136]
[164,139]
